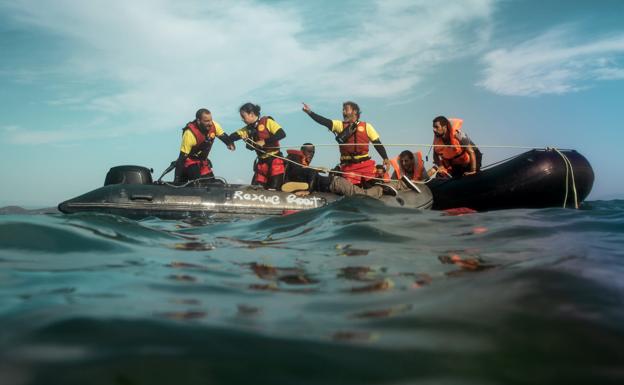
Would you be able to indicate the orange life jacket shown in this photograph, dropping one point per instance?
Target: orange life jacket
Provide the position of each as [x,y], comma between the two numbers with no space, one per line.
[419,166]
[356,145]
[453,153]
[204,143]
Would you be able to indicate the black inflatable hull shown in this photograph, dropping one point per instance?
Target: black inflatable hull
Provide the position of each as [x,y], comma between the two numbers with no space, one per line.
[214,201]
[534,179]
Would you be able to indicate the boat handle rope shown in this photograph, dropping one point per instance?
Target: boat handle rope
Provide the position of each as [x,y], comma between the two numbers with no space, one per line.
[569,172]
[568,164]
[253,144]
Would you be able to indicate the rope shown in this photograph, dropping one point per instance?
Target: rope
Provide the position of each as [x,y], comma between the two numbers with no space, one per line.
[417,145]
[569,171]
[568,164]
[253,144]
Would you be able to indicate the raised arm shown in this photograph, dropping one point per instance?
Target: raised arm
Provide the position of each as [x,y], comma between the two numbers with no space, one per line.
[323,121]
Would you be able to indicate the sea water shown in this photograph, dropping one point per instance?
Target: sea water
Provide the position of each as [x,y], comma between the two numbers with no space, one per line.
[352,293]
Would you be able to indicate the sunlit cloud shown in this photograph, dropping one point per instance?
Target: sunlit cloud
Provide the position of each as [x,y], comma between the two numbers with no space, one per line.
[553,64]
[157,60]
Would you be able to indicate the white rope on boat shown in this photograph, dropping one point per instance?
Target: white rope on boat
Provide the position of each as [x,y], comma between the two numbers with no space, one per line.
[569,172]
[253,144]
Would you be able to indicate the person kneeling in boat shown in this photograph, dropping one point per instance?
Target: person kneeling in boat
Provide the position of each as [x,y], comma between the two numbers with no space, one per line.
[197,139]
[409,164]
[300,178]
[454,153]
[353,136]
[262,134]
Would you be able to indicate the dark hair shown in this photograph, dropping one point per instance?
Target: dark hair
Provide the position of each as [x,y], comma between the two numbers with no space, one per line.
[354,106]
[249,108]
[407,153]
[443,121]
[380,166]
[303,146]
[200,112]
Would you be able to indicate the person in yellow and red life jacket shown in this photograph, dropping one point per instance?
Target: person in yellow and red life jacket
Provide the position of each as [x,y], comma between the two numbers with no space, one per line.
[262,134]
[298,176]
[410,164]
[454,154]
[354,137]
[197,139]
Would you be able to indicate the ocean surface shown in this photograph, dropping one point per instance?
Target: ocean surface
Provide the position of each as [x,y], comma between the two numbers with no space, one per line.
[353,293]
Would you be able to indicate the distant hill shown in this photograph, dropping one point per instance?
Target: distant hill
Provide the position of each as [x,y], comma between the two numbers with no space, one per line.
[20,210]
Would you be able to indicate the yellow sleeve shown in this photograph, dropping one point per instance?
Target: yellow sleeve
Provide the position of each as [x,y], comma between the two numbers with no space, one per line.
[188,142]
[218,129]
[371,132]
[243,133]
[337,126]
[272,126]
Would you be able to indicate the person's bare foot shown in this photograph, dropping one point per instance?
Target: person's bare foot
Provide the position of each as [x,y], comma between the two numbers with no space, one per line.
[302,193]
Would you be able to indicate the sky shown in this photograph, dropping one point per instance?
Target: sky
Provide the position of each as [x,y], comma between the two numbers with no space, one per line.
[88,85]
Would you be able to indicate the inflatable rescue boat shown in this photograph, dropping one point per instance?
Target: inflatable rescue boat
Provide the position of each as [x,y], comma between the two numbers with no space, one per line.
[130,192]
[535,179]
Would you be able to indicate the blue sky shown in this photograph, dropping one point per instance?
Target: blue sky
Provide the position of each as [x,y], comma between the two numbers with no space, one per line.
[86,85]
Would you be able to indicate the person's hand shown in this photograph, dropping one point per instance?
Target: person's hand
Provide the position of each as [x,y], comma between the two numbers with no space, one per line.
[322,170]
[260,143]
[387,164]
[469,173]
[231,147]
[442,171]
[306,108]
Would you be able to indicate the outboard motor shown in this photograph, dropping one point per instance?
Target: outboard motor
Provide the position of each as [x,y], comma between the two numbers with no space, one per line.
[128,175]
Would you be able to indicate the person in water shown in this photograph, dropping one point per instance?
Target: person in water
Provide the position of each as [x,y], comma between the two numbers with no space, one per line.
[454,153]
[197,139]
[301,178]
[262,134]
[354,137]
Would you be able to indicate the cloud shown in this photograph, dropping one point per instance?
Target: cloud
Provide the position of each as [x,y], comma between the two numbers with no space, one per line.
[553,64]
[159,60]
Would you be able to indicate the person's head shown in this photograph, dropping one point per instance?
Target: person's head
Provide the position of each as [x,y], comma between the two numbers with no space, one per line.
[350,111]
[380,171]
[249,112]
[308,152]
[203,118]
[441,126]
[406,160]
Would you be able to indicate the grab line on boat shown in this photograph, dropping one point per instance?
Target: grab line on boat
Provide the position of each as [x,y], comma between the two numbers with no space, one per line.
[569,171]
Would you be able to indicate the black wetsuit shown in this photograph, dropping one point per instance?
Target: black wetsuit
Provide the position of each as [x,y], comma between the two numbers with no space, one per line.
[297,173]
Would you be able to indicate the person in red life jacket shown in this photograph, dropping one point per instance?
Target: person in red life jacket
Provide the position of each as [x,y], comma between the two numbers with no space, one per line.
[262,134]
[410,164]
[197,139]
[298,176]
[454,153]
[354,136]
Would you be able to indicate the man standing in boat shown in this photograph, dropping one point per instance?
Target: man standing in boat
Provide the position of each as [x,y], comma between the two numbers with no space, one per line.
[454,153]
[197,139]
[353,137]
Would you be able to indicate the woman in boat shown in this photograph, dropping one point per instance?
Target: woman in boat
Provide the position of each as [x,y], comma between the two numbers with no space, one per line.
[262,134]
